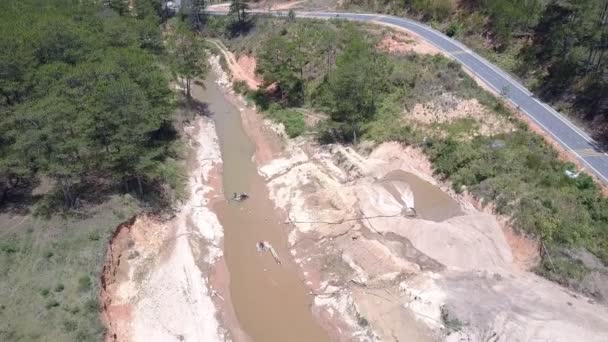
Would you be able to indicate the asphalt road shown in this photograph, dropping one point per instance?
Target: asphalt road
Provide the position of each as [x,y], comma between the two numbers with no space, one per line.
[559,127]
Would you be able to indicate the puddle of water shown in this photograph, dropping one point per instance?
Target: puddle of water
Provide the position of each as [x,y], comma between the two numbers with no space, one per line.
[430,202]
[270,300]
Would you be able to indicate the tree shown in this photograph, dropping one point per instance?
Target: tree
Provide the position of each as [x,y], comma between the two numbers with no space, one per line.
[239,9]
[120,6]
[79,102]
[356,83]
[194,13]
[291,16]
[280,64]
[50,130]
[188,56]
[511,17]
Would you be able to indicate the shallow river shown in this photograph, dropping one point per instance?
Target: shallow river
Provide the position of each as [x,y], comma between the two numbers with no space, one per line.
[270,300]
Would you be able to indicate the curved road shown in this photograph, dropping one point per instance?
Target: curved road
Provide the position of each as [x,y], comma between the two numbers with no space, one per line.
[560,128]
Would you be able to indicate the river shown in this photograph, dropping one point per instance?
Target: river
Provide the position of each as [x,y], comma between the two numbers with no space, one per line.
[270,299]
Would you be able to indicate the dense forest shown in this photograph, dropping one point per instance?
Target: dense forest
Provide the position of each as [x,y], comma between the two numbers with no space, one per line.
[84,102]
[558,47]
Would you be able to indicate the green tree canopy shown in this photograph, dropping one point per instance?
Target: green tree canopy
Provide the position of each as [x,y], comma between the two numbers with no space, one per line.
[83,96]
[358,81]
[187,55]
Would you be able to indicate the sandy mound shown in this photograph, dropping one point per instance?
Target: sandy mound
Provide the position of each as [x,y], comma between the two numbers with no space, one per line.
[451,279]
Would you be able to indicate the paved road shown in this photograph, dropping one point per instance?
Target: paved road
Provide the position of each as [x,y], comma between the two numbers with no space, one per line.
[560,128]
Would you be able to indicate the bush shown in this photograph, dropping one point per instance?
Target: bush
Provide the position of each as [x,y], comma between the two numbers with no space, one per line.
[453,29]
[291,119]
[84,283]
[69,325]
[562,269]
[436,9]
[94,236]
[51,304]
[8,248]
[329,132]
[91,305]
[451,322]
[240,87]
[259,98]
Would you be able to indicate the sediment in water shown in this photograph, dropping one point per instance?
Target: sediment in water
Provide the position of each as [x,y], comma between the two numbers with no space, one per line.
[270,300]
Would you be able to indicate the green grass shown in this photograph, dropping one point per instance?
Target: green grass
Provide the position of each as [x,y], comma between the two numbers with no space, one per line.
[291,119]
[50,271]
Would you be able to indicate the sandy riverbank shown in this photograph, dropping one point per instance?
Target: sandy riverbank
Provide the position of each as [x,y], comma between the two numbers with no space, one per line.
[156,279]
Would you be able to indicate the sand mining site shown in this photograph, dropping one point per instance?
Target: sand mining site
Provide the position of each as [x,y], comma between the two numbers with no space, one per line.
[366,246]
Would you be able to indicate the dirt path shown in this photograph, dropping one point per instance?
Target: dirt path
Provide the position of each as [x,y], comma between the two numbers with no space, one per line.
[237,71]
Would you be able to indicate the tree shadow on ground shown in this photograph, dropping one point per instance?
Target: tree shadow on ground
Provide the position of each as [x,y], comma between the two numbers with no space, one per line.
[239,28]
[19,200]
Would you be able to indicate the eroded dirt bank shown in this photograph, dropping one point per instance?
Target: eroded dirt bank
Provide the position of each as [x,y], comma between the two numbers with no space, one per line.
[155,285]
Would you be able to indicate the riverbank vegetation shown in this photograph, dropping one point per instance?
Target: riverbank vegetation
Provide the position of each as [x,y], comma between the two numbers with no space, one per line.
[336,68]
[557,47]
[89,130]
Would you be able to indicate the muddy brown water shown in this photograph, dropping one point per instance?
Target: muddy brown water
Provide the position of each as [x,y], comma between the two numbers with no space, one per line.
[270,300]
[430,202]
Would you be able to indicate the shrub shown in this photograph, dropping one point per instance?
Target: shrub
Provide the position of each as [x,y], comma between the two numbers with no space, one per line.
[91,305]
[240,87]
[84,283]
[451,322]
[562,269]
[94,236]
[291,119]
[8,248]
[51,304]
[453,29]
[259,98]
[60,287]
[69,325]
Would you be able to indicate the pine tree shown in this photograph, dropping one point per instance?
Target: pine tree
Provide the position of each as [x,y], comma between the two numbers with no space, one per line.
[188,56]
[239,8]
[120,6]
